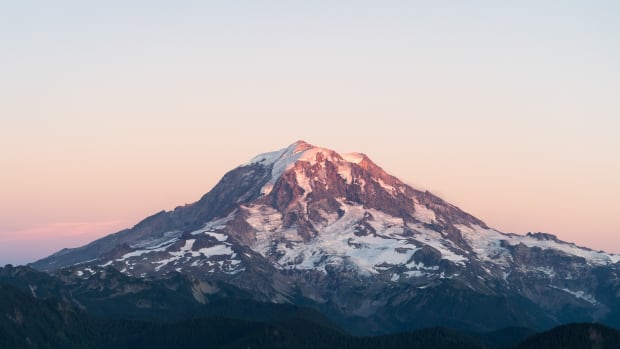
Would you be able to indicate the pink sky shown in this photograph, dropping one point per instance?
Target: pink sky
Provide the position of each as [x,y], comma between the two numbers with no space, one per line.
[110,114]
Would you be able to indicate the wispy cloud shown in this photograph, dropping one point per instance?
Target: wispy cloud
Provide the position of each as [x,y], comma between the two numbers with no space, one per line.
[20,246]
[61,230]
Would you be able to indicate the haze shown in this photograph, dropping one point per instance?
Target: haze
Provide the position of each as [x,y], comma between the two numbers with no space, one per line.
[112,111]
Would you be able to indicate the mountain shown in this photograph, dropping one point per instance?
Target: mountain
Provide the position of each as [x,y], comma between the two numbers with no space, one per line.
[574,336]
[28,322]
[43,317]
[334,232]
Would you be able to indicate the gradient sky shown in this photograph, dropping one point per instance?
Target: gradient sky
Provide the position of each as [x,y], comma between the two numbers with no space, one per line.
[113,110]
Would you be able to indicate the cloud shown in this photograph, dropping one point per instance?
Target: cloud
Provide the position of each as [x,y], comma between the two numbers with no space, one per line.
[61,230]
[21,246]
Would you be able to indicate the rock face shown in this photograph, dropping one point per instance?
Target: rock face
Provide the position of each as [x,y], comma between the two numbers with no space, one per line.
[309,226]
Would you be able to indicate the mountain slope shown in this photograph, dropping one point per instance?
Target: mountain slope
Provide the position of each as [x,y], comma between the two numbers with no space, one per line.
[574,336]
[28,322]
[306,225]
[45,321]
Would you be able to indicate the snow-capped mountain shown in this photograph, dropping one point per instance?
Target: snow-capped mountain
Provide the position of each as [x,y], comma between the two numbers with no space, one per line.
[309,226]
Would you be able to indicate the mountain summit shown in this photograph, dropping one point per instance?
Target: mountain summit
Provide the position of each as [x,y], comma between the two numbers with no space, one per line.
[299,196]
[309,226]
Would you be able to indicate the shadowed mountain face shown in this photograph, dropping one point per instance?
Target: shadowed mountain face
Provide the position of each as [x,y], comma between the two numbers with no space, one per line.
[308,226]
[36,313]
[574,336]
[27,322]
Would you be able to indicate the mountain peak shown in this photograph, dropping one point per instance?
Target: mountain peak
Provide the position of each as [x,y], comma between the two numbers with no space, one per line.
[302,150]
[300,146]
[354,158]
[307,224]
[285,159]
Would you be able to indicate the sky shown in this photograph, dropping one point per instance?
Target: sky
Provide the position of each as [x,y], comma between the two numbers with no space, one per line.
[111,111]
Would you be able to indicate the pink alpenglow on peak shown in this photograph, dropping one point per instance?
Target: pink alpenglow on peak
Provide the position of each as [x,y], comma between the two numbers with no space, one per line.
[355,158]
[286,158]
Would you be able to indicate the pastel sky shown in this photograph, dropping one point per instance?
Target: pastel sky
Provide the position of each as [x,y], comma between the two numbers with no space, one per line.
[113,110]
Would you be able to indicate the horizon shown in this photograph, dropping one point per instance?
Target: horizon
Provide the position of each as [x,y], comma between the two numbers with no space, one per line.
[71,230]
[112,113]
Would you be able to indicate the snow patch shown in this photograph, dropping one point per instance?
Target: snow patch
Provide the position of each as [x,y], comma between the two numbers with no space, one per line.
[486,244]
[338,245]
[445,247]
[186,253]
[424,214]
[217,224]
[217,250]
[414,273]
[263,218]
[138,253]
[548,271]
[218,236]
[579,294]
[150,243]
[354,158]
[279,161]
[390,189]
[344,170]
